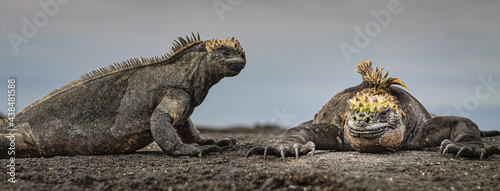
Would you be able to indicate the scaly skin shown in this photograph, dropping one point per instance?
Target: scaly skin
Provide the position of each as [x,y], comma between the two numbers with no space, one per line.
[126,109]
[348,123]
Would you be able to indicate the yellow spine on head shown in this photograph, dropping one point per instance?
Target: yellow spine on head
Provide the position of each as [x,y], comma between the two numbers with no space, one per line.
[367,101]
[214,44]
[379,83]
[377,97]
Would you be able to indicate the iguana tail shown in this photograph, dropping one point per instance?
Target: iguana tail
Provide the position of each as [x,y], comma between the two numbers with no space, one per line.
[489,133]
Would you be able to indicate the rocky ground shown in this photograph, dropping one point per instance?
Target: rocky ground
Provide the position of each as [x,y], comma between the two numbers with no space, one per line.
[149,169]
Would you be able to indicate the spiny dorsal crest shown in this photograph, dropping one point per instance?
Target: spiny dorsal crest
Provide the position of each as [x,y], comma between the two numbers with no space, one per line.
[178,46]
[213,44]
[374,77]
[368,101]
[182,44]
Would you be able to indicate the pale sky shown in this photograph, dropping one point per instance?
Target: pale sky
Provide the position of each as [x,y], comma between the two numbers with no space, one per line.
[299,53]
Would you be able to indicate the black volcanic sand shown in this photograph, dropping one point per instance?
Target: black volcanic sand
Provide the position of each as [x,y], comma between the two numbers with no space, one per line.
[149,169]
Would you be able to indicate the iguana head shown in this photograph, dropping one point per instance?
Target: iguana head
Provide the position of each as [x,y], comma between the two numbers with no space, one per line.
[374,119]
[226,55]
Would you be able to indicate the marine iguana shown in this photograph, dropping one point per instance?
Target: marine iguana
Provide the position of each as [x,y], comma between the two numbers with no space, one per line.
[376,117]
[126,106]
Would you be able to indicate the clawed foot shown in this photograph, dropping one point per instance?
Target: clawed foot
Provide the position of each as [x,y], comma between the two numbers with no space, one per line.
[467,149]
[195,150]
[203,147]
[221,143]
[284,150]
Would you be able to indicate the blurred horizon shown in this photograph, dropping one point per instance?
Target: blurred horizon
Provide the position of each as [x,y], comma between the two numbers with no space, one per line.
[299,53]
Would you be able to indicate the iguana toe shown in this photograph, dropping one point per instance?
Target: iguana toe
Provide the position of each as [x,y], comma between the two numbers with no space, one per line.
[206,142]
[444,147]
[195,150]
[226,142]
[296,149]
[255,151]
[284,150]
[221,143]
[464,149]
[271,150]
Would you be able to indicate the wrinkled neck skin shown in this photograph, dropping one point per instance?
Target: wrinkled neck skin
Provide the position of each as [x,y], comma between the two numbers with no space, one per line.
[205,75]
[195,74]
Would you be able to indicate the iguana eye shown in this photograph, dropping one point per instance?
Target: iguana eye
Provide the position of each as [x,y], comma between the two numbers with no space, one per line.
[226,52]
[367,119]
[384,114]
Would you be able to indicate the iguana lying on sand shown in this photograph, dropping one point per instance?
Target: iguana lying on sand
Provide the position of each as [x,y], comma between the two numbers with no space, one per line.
[376,117]
[127,106]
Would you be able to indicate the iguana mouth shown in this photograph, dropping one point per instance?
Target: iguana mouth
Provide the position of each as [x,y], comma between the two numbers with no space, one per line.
[235,64]
[368,133]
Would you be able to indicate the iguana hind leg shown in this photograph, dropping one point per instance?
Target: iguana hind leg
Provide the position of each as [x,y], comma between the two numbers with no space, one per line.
[19,143]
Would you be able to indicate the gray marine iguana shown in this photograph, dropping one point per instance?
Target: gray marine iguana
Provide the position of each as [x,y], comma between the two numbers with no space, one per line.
[379,118]
[126,106]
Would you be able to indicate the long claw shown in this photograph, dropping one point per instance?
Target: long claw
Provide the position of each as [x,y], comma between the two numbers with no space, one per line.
[296,151]
[255,151]
[482,155]
[265,152]
[248,154]
[313,150]
[445,150]
[444,147]
[282,151]
[459,153]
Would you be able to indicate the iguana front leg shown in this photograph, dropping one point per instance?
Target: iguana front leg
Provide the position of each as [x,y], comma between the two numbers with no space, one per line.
[305,138]
[455,135]
[465,138]
[172,112]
